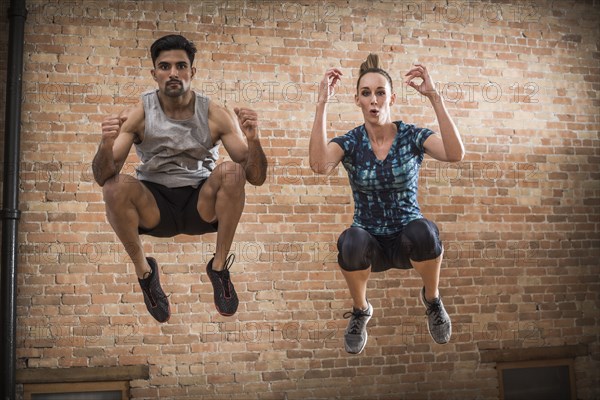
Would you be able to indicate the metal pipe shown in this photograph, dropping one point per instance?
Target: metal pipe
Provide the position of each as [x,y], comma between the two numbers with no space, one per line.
[17,14]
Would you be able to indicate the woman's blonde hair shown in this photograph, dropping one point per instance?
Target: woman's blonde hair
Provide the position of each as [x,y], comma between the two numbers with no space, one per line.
[372,64]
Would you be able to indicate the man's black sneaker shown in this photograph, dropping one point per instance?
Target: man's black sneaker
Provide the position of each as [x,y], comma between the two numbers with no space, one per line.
[154,297]
[226,300]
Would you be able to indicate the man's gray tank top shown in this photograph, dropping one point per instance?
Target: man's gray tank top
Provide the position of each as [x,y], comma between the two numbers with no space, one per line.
[176,153]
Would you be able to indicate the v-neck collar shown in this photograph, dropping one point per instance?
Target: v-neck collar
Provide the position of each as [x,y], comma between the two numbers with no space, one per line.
[390,151]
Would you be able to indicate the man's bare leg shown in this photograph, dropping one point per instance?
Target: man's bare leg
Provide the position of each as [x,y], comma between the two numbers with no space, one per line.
[222,199]
[129,204]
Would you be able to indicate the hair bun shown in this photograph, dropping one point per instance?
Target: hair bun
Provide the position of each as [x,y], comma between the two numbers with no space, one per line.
[372,62]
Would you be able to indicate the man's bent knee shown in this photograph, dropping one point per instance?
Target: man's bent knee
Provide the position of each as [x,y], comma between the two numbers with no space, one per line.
[118,189]
[233,175]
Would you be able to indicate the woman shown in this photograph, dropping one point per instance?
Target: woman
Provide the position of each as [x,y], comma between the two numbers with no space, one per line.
[382,159]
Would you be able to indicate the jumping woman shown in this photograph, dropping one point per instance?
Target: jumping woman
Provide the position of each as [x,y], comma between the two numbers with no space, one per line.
[383,158]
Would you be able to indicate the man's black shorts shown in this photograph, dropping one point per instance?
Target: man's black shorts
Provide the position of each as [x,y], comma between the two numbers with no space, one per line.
[178,211]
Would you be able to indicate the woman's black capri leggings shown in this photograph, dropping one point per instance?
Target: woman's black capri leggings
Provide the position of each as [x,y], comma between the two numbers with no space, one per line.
[418,241]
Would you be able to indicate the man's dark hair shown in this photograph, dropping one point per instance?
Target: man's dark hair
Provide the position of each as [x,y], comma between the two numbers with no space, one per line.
[172,42]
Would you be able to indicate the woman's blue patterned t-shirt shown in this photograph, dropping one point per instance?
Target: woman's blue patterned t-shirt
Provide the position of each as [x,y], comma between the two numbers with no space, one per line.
[385,191]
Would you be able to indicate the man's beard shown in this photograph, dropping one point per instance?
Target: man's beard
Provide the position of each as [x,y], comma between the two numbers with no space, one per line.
[174,91]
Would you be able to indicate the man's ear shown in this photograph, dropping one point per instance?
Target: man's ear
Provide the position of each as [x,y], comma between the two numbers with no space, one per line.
[153,73]
[193,71]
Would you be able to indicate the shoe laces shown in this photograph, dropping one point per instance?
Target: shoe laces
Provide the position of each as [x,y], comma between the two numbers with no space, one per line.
[151,288]
[435,308]
[224,274]
[146,278]
[357,320]
[146,290]
[229,262]
[153,292]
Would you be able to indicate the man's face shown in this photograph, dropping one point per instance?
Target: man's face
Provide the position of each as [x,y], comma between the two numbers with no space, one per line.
[173,72]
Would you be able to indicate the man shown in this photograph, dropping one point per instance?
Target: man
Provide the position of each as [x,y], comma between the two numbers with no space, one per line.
[179,187]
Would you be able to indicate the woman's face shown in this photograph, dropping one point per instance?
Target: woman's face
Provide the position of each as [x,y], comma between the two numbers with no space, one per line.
[375,98]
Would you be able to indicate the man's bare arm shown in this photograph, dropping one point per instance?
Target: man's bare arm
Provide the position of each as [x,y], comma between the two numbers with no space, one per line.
[240,139]
[118,135]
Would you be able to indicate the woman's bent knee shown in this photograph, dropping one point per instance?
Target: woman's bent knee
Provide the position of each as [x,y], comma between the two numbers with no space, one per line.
[423,240]
[354,249]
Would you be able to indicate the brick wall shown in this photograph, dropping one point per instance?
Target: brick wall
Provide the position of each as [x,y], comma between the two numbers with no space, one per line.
[519,216]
